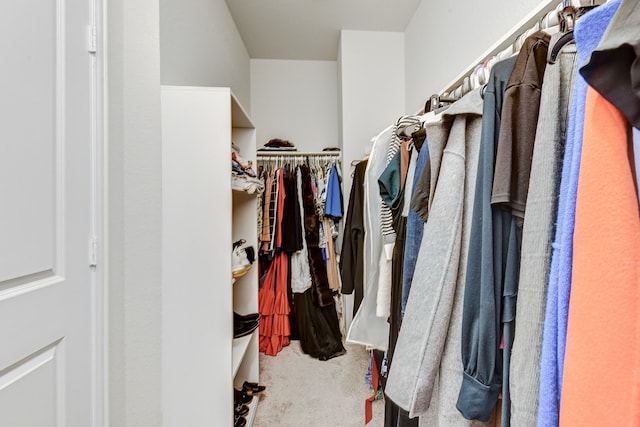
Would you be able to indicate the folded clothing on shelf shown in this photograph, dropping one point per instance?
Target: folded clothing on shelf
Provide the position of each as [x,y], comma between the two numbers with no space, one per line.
[240,167]
[247,183]
[277,144]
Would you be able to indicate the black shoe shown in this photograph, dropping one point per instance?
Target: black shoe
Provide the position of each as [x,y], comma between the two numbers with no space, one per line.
[240,410]
[247,318]
[241,329]
[240,397]
[240,422]
[252,388]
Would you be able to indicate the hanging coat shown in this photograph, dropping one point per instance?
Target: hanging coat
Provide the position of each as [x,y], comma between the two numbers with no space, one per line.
[427,368]
[367,328]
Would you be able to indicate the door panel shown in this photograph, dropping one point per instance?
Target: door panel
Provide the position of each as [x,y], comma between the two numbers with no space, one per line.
[35,380]
[46,283]
[27,99]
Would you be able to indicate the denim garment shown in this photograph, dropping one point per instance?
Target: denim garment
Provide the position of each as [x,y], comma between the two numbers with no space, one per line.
[415,227]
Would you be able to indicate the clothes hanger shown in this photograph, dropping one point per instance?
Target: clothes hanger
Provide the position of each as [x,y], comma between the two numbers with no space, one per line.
[338,164]
[474,80]
[516,44]
[436,101]
[466,85]
[542,22]
[550,23]
[567,17]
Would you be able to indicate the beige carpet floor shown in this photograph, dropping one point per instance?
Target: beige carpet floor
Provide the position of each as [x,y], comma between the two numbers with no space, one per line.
[303,391]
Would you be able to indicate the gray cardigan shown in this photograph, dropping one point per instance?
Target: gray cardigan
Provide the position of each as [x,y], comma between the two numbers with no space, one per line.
[427,371]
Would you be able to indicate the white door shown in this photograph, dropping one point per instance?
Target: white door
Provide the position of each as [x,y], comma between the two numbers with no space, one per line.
[46,133]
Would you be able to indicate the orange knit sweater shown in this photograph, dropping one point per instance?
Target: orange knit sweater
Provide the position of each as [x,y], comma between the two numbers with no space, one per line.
[602,363]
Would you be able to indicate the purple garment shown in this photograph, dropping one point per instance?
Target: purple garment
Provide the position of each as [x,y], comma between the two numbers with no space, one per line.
[588,32]
[636,158]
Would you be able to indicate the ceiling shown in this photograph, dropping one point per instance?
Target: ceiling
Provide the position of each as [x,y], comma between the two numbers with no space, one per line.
[310,29]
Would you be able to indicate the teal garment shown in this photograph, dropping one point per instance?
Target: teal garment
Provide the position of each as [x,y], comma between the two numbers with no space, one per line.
[390,183]
[481,318]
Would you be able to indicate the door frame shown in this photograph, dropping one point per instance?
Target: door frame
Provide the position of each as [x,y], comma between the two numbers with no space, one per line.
[100,212]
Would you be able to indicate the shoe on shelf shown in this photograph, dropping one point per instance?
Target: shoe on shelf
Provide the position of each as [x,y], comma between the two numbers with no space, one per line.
[239,266]
[246,318]
[240,397]
[240,410]
[240,262]
[249,252]
[253,388]
[239,421]
[241,329]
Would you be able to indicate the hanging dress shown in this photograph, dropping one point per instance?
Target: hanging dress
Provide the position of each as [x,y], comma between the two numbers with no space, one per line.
[318,324]
[273,303]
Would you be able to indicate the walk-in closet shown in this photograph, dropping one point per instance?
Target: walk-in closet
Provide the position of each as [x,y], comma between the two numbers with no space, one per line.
[427,202]
[320,213]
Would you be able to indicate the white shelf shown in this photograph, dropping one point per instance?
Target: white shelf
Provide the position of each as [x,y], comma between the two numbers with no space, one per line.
[253,408]
[202,217]
[243,194]
[239,117]
[240,346]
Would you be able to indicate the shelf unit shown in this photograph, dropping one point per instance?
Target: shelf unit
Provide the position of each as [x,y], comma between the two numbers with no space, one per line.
[201,218]
[253,407]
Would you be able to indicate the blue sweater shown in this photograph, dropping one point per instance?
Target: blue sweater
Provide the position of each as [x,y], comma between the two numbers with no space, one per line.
[588,32]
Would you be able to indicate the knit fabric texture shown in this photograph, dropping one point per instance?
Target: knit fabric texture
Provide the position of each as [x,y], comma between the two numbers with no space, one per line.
[588,31]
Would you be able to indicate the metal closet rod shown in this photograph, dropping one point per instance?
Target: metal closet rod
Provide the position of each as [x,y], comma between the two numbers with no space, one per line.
[535,18]
[545,15]
[298,153]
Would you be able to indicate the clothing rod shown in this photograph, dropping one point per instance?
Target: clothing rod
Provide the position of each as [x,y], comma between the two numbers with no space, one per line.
[298,153]
[527,23]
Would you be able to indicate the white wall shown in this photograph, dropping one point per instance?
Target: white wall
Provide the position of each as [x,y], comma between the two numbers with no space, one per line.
[444,37]
[372,79]
[134,213]
[201,46]
[371,87]
[296,101]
